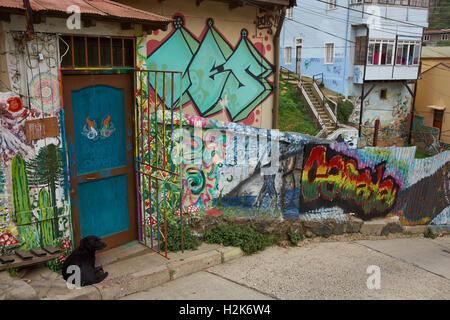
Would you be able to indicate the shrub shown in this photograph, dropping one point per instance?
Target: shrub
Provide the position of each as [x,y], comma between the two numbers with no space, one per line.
[247,238]
[344,110]
[295,237]
[292,113]
[429,234]
[190,241]
[443,43]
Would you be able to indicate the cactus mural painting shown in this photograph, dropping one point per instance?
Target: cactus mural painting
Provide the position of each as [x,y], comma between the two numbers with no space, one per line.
[46,170]
[21,201]
[46,227]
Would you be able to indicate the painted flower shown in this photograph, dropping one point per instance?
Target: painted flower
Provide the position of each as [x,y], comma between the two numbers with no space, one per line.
[151,221]
[192,209]
[61,258]
[7,239]
[15,104]
[65,244]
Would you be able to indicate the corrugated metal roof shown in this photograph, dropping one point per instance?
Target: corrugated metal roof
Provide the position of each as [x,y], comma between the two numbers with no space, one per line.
[436,31]
[435,52]
[101,8]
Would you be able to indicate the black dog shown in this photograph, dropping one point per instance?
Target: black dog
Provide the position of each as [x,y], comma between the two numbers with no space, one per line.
[84,258]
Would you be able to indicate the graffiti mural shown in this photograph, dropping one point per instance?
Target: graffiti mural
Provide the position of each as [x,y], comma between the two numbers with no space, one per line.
[34,209]
[330,178]
[310,179]
[217,76]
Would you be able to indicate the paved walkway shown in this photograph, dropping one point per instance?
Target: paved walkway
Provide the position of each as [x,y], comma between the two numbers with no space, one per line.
[410,268]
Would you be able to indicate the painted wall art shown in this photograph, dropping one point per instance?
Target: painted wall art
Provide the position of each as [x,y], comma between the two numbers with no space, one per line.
[34,207]
[218,76]
[256,173]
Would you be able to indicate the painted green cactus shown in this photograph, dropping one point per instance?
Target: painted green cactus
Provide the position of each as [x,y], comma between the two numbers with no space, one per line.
[46,226]
[21,202]
[46,170]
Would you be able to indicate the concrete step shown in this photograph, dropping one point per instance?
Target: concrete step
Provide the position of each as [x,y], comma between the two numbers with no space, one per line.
[149,270]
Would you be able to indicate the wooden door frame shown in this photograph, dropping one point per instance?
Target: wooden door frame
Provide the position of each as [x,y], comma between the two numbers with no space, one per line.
[113,241]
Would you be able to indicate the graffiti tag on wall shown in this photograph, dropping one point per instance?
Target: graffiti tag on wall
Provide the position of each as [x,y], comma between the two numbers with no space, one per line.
[216,76]
[330,179]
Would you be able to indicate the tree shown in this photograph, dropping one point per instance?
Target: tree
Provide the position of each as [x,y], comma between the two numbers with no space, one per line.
[46,170]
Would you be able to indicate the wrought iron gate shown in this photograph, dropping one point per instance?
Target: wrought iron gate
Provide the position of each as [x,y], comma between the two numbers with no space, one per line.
[158,176]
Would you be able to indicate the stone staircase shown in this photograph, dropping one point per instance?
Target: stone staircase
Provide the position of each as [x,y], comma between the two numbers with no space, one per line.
[328,123]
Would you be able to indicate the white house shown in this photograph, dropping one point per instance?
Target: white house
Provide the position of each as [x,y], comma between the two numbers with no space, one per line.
[360,48]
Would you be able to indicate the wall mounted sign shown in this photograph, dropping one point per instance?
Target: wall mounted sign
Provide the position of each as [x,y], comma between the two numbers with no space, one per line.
[41,128]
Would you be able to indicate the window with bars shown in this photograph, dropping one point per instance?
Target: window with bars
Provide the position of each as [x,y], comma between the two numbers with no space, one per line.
[360,50]
[408,53]
[96,52]
[381,52]
[329,53]
[288,55]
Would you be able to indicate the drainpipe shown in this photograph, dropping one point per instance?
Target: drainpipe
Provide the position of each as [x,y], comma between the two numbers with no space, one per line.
[364,79]
[345,50]
[276,45]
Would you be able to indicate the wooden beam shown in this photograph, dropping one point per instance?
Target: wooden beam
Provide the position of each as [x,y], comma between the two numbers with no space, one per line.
[236,4]
[38,18]
[127,26]
[88,22]
[4,16]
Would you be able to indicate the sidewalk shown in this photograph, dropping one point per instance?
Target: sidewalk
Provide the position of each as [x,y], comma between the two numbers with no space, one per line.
[131,267]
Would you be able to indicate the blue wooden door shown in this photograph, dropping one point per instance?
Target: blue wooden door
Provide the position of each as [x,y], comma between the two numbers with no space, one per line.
[98,113]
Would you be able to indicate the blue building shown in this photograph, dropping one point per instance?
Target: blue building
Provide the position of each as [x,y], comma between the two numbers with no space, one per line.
[356,46]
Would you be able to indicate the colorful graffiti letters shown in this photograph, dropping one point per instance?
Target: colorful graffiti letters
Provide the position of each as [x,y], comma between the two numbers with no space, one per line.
[216,76]
[332,178]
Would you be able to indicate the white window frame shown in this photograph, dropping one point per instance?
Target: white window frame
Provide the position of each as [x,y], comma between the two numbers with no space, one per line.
[287,55]
[444,36]
[417,46]
[327,61]
[381,42]
[426,37]
[331,4]
[289,13]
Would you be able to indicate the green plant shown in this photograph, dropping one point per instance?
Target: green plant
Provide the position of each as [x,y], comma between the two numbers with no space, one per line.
[429,234]
[171,274]
[190,241]
[230,234]
[344,110]
[13,272]
[292,114]
[295,237]
[443,43]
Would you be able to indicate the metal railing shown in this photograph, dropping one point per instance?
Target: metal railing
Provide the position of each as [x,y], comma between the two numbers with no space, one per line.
[290,74]
[333,115]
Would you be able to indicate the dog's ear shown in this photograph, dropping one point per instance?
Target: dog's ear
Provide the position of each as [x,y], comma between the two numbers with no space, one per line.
[84,243]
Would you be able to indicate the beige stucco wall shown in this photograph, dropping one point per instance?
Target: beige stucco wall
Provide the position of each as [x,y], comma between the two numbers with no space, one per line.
[228,24]
[428,63]
[433,90]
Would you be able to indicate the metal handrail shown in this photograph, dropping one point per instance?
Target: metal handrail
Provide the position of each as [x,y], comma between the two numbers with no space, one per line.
[316,78]
[317,75]
[289,72]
